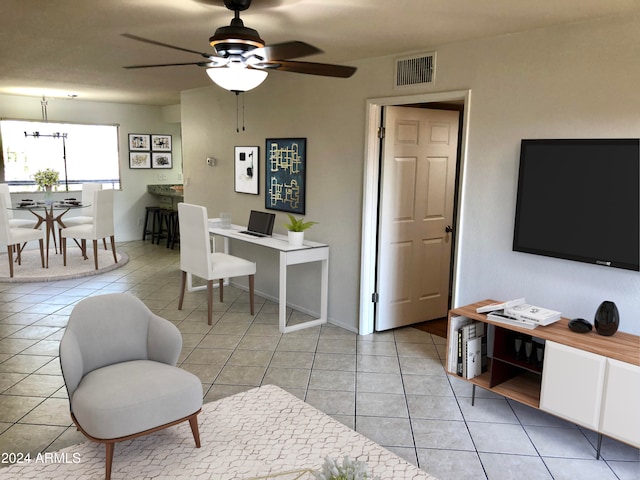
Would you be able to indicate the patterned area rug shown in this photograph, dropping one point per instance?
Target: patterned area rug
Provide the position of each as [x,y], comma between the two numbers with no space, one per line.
[263,433]
[31,268]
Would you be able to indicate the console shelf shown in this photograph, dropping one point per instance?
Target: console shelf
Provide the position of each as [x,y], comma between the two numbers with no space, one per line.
[600,374]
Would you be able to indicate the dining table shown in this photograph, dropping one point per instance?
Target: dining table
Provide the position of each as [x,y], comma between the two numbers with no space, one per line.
[50,213]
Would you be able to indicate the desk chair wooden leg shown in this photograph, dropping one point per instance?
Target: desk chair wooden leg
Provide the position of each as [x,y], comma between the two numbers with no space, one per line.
[251,282]
[221,287]
[19,250]
[183,283]
[209,302]
[63,245]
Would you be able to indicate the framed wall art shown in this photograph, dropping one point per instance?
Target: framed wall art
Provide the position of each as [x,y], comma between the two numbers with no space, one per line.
[247,169]
[286,174]
[161,160]
[139,160]
[161,143]
[139,142]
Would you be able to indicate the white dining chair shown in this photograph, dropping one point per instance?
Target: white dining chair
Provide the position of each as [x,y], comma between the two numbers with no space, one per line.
[87,197]
[14,222]
[15,237]
[101,227]
[196,257]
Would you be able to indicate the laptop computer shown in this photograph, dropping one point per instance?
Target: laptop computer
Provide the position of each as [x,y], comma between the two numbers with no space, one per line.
[260,224]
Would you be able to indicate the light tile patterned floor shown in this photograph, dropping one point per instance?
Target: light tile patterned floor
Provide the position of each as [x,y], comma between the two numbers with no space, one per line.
[388,386]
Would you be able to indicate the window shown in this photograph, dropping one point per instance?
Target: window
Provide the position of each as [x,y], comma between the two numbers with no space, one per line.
[80,153]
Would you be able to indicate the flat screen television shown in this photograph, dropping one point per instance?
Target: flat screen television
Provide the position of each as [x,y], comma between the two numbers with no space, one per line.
[580,200]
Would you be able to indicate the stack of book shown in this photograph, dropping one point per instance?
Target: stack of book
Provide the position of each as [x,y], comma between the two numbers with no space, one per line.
[469,359]
[517,312]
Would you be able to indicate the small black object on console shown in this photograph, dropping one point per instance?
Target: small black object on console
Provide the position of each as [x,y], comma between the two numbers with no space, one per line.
[580,325]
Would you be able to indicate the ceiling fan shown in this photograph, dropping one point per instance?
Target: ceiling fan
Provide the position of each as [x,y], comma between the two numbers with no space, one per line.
[242,59]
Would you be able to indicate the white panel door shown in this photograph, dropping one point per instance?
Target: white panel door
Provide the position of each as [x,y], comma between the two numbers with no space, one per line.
[572,384]
[621,403]
[416,215]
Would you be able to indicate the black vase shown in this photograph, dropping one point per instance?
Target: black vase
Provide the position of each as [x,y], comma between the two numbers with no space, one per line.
[607,319]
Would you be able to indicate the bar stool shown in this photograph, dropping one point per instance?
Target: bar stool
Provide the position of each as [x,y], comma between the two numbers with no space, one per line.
[164,226]
[174,230]
[154,213]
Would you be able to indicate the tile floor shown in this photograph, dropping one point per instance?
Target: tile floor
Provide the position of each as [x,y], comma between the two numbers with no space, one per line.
[391,386]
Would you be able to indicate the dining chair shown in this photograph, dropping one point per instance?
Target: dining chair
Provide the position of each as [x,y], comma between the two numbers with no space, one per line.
[101,227]
[15,237]
[14,222]
[87,198]
[197,258]
[118,361]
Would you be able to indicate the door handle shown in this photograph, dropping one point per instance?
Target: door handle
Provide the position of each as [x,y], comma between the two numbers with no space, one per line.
[448,229]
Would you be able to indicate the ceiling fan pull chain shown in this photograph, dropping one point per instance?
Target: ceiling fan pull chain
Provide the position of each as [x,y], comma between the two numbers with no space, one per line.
[243,113]
[237,114]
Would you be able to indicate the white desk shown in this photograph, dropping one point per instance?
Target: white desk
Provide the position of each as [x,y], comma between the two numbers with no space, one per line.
[307,253]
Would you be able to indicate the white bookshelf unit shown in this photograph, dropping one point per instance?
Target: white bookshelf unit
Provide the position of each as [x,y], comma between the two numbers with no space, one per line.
[586,378]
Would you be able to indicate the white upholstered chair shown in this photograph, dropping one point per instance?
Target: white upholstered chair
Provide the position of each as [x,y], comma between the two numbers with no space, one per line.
[197,258]
[86,199]
[14,237]
[101,227]
[14,222]
[118,361]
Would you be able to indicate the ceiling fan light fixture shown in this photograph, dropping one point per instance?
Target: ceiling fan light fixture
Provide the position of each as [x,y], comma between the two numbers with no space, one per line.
[236,78]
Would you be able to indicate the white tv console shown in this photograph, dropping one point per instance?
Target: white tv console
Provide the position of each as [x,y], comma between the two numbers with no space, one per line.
[586,378]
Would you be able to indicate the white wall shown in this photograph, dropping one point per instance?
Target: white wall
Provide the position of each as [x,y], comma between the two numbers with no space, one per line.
[133,197]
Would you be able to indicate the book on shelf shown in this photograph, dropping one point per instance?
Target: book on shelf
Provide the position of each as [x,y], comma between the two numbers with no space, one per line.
[492,307]
[531,313]
[470,342]
[455,324]
[507,320]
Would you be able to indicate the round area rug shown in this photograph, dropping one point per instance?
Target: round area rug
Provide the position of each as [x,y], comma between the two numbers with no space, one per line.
[31,269]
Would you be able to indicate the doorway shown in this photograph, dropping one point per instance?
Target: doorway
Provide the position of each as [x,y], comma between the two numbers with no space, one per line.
[372,195]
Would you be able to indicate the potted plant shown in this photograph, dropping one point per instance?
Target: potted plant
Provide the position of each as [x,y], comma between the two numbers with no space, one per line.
[296,228]
[350,469]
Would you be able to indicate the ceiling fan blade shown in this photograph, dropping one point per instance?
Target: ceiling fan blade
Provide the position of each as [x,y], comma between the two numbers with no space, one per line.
[200,64]
[309,68]
[284,51]
[154,42]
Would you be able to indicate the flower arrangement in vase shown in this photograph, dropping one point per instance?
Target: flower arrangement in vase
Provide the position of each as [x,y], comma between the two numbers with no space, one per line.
[46,178]
[296,228]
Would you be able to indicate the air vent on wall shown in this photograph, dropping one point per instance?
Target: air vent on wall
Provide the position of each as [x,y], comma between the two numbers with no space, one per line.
[415,70]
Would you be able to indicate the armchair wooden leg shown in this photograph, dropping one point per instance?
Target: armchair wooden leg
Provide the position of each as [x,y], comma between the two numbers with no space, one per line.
[251,284]
[183,283]
[221,288]
[63,245]
[19,250]
[108,460]
[193,422]
[209,302]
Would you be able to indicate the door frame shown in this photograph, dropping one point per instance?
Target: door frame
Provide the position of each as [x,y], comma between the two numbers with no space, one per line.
[371,189]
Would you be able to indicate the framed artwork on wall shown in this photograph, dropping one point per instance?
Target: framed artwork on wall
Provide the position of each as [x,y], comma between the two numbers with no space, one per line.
[161,143]
[139,142]
[247,170]
[161,160]
[285,181]
[139,160]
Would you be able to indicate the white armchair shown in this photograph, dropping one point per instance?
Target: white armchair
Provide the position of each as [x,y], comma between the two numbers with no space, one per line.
[118,362]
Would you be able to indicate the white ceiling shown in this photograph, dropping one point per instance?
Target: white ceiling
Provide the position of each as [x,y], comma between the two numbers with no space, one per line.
[62,47]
